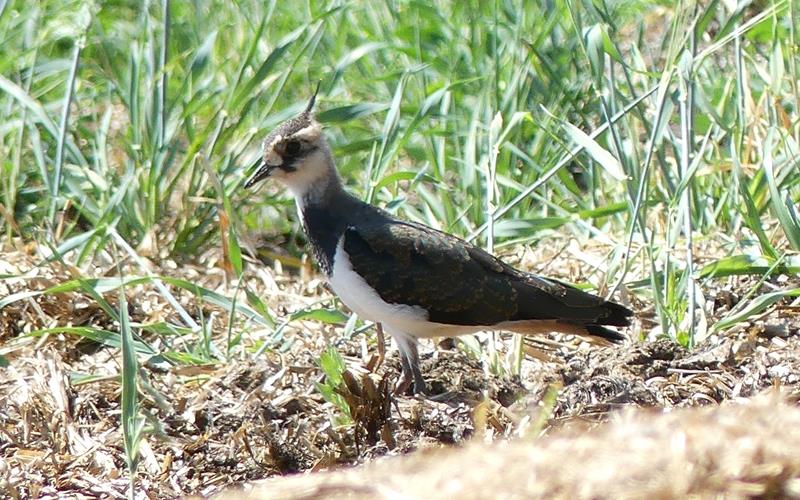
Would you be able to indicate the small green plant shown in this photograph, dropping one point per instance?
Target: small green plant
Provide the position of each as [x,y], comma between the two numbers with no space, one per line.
[132,422]
[363,403]
[333,366]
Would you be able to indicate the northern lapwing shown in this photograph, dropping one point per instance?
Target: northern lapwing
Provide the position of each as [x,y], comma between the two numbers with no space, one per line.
[416,281]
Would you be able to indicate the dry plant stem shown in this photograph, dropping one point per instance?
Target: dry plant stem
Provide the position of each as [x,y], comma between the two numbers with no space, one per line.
[381,340]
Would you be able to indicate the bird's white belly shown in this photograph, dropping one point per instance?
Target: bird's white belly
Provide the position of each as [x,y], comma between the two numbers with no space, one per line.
[356,294]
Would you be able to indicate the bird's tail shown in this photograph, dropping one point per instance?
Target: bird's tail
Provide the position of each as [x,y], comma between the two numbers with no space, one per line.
[612,314]
[602,332]
[615,315]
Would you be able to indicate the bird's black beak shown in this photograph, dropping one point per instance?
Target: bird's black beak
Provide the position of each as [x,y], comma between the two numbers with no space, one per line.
[262,172]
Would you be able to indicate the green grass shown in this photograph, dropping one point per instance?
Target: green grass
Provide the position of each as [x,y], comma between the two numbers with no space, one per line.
[655,124]
[659,125]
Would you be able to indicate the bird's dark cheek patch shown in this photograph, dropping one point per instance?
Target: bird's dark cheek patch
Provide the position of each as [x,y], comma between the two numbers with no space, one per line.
[288,164]
[290,161]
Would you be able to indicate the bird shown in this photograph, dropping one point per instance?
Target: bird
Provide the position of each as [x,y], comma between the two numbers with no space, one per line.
[413,280]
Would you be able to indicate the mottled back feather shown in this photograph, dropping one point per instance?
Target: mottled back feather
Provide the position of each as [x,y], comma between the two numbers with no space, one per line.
[459,283]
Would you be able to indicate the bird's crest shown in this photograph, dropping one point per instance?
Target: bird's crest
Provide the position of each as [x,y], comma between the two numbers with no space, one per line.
[313,99]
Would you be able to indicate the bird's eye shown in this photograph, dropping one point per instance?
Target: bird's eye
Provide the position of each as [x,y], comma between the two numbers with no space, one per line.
[293,147]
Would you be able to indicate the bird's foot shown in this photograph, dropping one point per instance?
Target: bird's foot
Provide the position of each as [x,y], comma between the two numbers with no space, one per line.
[419,388]
[402,386]
[409,360]
[410,385]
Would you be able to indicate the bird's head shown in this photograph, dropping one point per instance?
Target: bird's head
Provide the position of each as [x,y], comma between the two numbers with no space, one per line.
[296,154]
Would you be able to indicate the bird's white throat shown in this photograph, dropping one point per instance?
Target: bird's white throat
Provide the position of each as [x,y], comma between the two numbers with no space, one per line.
[314,178]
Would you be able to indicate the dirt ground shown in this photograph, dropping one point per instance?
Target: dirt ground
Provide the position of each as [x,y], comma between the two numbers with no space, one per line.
[212,425]
[747,448]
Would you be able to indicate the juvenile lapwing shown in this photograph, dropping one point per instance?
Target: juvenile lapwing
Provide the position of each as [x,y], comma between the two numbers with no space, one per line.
[414,280]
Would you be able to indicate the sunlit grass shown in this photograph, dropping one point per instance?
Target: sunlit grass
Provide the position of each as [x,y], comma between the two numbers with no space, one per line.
[156,147]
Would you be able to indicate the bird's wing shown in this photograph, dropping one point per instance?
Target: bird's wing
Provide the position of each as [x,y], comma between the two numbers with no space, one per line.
[457,282]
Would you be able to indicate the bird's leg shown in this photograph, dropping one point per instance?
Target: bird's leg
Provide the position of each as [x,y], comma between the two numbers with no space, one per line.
[419,382]
[409,359]
[405,381]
